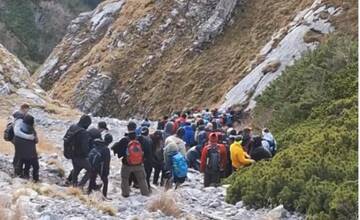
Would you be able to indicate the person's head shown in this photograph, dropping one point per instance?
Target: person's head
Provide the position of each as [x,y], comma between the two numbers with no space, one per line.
[85,121]
[102,126]
[24,108]
[207,110]
[266,130]
[145,131]
[231,131]
[209,127]
[29,120]
[213,138]
[238,138]
[131,126]
[183,116]
[165,118]
[247,131]
[180,133]
[200,122]
[108,138]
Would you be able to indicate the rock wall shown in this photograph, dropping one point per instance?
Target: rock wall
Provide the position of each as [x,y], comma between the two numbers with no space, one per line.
[31,29]
[303,34]
[13,74]
[154,57]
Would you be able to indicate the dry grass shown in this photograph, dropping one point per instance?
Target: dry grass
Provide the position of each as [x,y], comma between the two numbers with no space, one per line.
[313,36]
[166,203]
[93,200]
[271,67]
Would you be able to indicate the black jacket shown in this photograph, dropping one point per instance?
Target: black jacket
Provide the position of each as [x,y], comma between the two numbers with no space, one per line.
[81,141]
[101,146]
[146,144]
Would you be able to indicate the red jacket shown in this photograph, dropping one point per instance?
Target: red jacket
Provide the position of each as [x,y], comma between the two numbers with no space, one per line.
[222,149]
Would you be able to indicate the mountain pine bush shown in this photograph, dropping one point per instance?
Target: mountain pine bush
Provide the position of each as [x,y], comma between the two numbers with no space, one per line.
[314,116]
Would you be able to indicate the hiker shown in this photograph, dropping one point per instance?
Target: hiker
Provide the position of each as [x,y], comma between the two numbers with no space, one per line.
[158,156]
[146,144]
[206,115]
[161,123]
[93,132]
[9,131]
[193,155]
[189,136]
[239,157]
[174,158]
[247,139]
[213,161]
[99,158]
[178,140]
[169,129]
[258,151]
[269,141]
[76,148]
[25,140]
[130,150]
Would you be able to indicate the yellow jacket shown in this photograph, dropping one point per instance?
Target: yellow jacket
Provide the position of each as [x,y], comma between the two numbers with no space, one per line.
[239,157]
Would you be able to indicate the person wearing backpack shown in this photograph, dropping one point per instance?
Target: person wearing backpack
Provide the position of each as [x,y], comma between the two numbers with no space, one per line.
[25,140]
[239,157]
[175,165]
[130,150]
[99,158]
[269,141]
[9,132]
[76,148]
[213,161]
[258,151]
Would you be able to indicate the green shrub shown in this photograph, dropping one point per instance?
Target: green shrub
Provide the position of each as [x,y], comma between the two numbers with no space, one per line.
[313,109]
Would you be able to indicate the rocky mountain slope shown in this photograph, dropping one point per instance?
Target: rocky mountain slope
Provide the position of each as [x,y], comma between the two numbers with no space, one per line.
[49,199]
[32,28]
[151,57]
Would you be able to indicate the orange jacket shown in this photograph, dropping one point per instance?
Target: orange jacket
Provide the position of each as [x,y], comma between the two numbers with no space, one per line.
[222,149]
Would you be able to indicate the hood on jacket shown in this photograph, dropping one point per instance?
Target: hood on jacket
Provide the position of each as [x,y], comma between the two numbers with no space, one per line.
[213,138]
[171,146]
[169,128]
[85,121]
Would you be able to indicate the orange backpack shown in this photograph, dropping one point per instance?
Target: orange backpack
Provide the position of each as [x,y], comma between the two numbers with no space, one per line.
[135,154]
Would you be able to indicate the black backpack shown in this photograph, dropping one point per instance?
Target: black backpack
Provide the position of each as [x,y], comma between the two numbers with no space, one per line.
[69,141]
[9,132]
[213,159]
[95,157]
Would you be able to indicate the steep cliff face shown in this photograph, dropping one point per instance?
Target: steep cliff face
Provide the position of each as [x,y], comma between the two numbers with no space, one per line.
[131,57]
[31,28]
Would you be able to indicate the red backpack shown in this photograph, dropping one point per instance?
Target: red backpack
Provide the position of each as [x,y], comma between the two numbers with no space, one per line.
[134,153]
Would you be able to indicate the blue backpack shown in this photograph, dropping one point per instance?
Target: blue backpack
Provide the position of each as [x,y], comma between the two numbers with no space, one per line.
[189,135]
[179,165]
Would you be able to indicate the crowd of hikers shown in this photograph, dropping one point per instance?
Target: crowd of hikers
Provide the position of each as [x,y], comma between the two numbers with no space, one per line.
[206,141]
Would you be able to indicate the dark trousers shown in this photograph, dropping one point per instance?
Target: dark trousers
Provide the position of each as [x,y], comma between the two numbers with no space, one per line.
[211,179]
[78,165]
[157,170]
[92,184]
[29,163]
[148,171]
